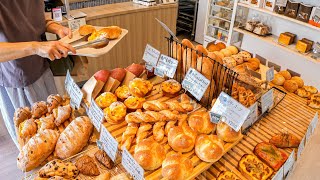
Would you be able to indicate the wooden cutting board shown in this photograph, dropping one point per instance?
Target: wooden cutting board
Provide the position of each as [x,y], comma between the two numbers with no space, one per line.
[92,52]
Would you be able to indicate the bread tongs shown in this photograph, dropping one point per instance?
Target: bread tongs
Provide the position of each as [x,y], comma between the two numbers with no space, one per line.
[98,43]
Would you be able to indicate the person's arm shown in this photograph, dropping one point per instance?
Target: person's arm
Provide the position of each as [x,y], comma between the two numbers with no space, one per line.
[51,50]
[55,28]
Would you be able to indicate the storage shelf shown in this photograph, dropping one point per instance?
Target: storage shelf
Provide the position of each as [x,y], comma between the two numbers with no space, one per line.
[220,18]
[217,27]
[223,7]
[214,38]
[273,41]
[279,16]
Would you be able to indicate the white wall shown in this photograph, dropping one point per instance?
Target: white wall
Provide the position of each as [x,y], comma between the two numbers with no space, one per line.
[201,19]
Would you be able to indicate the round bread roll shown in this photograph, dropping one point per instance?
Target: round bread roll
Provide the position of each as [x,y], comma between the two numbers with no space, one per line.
[278,80]
[239,59]
[118,74]
[200,122]
[187,43]
[212,47]
[181,138]
[233,49]
[149,154]
[86,29]
[226,133]
[209,148]
[176,167]
[311,89]
[246,55]
[229,62]
[285,74]
[115,113]
[201,50]
[111,32]
[170,87]
[221,45]
[254,63]
[219,54]
[136,69]
[226,52]
[290,85]
[298,80]
[140,87]
[105,99]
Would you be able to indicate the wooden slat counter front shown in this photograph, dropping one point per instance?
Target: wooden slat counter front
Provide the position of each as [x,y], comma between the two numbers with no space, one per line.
[143,28]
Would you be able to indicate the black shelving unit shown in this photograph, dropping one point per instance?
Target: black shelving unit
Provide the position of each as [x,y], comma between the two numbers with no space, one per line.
[187,17]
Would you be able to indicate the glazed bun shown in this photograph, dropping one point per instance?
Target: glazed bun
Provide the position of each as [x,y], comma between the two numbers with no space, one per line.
[290,85]
[149,154]
[139,87]
[226,133]
[209,148]
[285,74]
[278,80]
[298,80]
[176,167]
[200,122]
[86,29]
[233,49]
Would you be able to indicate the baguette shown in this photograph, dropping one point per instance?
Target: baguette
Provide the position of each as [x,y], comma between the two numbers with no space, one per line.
[157,105]
[152,116]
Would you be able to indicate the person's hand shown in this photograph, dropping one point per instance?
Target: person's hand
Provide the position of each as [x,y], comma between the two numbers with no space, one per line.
[53,49]
[64,31]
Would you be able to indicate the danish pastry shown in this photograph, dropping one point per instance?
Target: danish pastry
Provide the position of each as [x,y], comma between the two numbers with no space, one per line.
[170,87]
[115,113]
[134,102]
[139,87]
[105,99]
[122,92]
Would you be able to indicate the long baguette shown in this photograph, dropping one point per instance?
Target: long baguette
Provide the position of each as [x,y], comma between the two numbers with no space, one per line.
[156,105]
[152,116]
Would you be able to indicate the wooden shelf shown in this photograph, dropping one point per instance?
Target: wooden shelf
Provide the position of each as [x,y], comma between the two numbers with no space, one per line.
[220,18]
[273,40]
[279,16]
[217,27]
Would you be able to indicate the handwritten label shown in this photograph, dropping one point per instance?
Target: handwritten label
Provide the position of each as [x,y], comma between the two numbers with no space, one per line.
[289,163]
[270,74]
[279,175]
[76,23]
[109,143]
[151,56]
[234,113]
[215,118]
[267,101]
[96,115]
[253,116]
[166,66]
[149,67]
[195,83]
[301,147]
[131,165]
[74,91]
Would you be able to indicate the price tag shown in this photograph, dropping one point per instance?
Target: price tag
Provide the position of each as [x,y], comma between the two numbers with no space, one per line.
[149,67]
[151,56]
[57,14]
[74,91]
[234,113]
[314,122]
[279,175]
[166,66]
[96,115]
[195,83]
[301,147]
[131,165]
[253,116]
[76,23]
[289,163]
[109,143]
[215,118]
[267,101]
[270,74]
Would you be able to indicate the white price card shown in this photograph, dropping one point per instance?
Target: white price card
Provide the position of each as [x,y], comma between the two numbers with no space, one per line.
[149,67]
[96,114]
[76,23]
[314,122]
[166,66]
[132,166]
[279,175]
[267,101]
[289,163]
[234,112]
[109,143]
[270,74]
[74,91]
[253,116]
[301,147]
[214,118]
[195,83]
[151,56]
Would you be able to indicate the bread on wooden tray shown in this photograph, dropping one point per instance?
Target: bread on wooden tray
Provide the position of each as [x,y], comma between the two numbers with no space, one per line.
[74,138]
[285,140]
[53,101]
[253,168]
[176,167]
[156,105]
[227,175]
[278,80]
[56,167]
[105,99]
[140,87]
[152,116]
[115,113]
[46,123]
[285,74]
[61,114]
[134,103]
[290,85]
[86,30]
[128,135]
[122,92]
[298,80]
[209,148]
[171,88]
[182,138]
[87,166]
[200,122]
[226,133]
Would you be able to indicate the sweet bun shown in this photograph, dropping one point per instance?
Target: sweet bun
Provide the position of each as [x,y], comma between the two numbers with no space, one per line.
[176,167]
[303,93]
[233,49]
[229,62]
[105,99]
[136,69]
[187,43]
[226,52]
[298,80]
[226,133]
[170,87]
[110,32]
[115,113]
[246,55]
[219,54]
[290,85]
[285,74]
[118,74]
[181,138]
[134,102]
[221,45]
[86,29]
[278,80]
[239,59]
[209,148]
[201,50]
[149,154]
[139,87]
[122,92]
[200,122]
[212,47]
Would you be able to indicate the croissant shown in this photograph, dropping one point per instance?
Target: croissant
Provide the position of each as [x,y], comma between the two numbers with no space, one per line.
[158,131]
[156,105]
[152,116]
[86,166]
[61,114]
[104,159]
[27,128]
[38,109]
[53,101]
[46,123]
[20,115]
[128,135]
[143,132]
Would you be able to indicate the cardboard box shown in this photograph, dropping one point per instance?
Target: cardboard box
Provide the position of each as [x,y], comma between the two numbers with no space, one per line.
[111,85]
[92,88]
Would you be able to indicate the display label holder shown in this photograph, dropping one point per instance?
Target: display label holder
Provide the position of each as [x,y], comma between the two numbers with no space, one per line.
[166,66]
[267,101]
[74,91]
[252,117]
[109,143]
[96,114]
[151,56]
[132,166]
[262,59]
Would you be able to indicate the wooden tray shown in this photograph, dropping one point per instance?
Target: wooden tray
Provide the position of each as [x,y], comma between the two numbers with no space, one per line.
[92,52]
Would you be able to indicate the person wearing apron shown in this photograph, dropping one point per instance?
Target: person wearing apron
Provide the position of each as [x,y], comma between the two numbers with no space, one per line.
[25,76]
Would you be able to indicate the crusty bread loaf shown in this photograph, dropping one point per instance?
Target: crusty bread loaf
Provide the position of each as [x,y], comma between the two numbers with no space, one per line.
[201,50]
[176,167]
[290,85]
[86,29]
[278,80]
[182,138]
[74,137]
[38,148]
[298,80]
[200,122]
[149,154]
[285,74]
[226,133]
[187,43]
[118,74]
[209,148]
[136,69]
